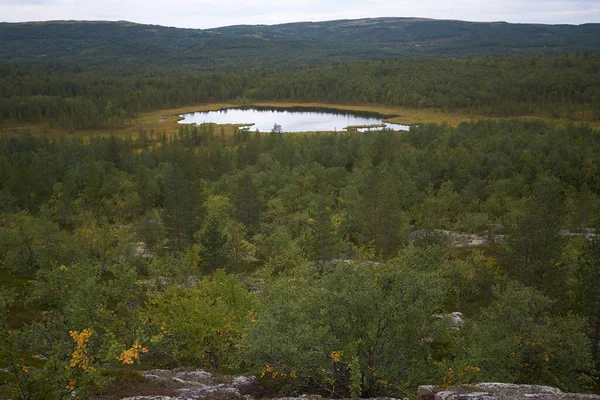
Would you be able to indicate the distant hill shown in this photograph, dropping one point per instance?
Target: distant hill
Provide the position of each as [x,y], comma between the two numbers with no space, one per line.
[97,43]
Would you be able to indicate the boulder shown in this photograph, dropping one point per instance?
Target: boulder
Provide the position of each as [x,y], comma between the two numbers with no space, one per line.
[498,391]
[153,398]
[201,390]
[195,376]
[238,381]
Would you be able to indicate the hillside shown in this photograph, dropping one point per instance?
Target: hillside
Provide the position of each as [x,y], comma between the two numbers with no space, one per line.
[90,44]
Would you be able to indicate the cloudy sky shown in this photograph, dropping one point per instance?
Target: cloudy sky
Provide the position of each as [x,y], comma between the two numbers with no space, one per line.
[208,14]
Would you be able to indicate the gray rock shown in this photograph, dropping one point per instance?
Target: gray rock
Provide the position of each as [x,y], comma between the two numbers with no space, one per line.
[589,234]
[197,384]
[141,249]
[381,398]
[153,398]
[457,239]
[202,390]
[499,391]
[238,381]
[158,374]
[417,234]
[195,376]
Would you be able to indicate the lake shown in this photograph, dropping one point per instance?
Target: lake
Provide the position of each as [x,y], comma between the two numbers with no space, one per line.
[297,119]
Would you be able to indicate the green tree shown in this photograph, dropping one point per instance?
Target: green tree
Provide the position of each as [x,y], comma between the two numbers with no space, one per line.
[314,328]
[204,323]
[588,293]
[533,245]
[213,246]
[517,339]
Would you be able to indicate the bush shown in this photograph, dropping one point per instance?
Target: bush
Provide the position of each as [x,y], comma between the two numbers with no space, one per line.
[377,318]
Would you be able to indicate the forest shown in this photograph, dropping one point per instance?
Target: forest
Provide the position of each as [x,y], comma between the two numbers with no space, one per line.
[319,262]
[88,44]
[327,263]
[565,87]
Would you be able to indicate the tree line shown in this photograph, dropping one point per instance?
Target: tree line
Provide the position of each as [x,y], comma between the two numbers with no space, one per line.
[108,97]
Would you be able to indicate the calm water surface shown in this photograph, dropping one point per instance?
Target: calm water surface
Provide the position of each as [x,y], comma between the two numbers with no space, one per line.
[290,120]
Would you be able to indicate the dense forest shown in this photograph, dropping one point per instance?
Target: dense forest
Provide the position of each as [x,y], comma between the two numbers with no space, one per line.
[303,44]
[318,262]
[560,86]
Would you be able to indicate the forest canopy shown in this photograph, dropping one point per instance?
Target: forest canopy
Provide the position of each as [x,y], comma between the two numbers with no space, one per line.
[553,86]
[319,261]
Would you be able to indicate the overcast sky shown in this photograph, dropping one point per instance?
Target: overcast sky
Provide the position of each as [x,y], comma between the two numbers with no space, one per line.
[209,14]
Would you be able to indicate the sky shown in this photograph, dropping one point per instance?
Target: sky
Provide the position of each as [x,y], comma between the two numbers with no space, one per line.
[209,14]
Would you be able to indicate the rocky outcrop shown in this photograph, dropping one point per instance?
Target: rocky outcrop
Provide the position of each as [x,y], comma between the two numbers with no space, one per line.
[200,384]
[498,391]
[454,320]
[469,240]
[589,234]
[458,239]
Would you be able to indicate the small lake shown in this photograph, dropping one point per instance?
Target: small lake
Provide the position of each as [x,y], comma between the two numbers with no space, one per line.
[297,119]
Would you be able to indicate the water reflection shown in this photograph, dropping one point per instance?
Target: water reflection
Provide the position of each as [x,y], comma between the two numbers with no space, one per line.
[299,119]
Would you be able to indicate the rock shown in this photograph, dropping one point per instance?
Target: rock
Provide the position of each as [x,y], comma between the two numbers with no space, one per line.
[589,234]
[157,374]
[455,320]
[243,381]
[499,391]
[198,384]
[201,390]
[153,398]
[457,239]
[141,249]
[364,262]
[382,398]
[426,392]
[196,376]
[417,234]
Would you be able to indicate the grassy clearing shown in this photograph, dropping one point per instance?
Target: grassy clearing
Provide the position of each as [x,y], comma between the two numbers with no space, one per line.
[166,120]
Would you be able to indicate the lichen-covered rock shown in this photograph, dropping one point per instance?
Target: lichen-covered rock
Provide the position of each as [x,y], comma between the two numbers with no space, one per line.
[201,390]
[198,384]
[153,398]
[238,381]
[158,374]
[195,376]
[499,391]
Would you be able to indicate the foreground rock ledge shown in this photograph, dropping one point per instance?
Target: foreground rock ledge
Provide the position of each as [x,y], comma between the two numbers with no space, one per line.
[198,384]
[499,391]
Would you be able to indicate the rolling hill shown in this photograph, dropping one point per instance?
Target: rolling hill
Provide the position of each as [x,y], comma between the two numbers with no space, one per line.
[89,44]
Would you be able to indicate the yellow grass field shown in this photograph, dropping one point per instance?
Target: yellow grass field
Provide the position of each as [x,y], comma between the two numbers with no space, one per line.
[166,120]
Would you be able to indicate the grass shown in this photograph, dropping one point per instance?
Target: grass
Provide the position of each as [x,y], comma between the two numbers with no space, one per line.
[165,120]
